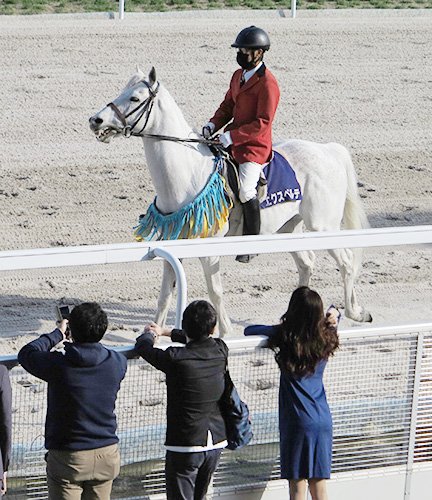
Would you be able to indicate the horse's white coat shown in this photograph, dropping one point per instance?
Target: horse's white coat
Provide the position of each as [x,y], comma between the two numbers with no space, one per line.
[179,172]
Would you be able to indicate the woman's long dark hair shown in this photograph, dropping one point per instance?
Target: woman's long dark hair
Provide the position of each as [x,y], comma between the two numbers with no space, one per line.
[304,337]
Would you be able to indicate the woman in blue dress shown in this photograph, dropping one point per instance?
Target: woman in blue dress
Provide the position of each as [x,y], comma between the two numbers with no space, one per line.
[303,342]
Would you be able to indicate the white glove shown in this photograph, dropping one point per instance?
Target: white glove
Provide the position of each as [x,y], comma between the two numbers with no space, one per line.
[207,130]
[225,139]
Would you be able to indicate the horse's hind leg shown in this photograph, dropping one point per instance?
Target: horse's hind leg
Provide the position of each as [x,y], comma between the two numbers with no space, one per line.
[165,294]
[344,258]
[211,267]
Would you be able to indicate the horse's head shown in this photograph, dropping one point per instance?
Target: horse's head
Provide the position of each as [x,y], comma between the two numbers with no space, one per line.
[129,113]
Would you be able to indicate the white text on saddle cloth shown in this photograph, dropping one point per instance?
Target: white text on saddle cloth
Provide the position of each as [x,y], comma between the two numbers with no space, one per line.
[281,197]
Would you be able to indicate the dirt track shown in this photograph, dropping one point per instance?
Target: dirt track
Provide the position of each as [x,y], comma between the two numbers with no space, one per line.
[361,78]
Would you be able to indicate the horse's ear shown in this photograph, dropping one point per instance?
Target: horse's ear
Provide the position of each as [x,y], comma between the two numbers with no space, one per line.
[152,76]
[137,77]
[139,72]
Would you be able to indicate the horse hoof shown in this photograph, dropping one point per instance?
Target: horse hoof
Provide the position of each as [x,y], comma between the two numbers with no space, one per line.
[361,317]
[245,259]
[367,317]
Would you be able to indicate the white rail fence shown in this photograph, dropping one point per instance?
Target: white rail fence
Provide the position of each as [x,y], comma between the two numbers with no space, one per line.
[380,384]
[173,251]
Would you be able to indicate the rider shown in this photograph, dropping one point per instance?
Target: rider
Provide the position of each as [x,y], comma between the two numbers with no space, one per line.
[250,103]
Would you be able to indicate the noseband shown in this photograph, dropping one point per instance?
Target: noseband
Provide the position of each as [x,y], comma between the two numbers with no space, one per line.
[142,108]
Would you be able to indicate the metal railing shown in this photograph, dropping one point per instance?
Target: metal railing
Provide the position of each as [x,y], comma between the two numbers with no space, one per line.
[379,384]
[379,387]
[175,250]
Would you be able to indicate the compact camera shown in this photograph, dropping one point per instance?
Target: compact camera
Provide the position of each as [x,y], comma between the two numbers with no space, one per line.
[63,312]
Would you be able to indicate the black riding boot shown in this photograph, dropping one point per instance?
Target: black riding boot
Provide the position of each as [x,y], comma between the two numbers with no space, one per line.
[251,224]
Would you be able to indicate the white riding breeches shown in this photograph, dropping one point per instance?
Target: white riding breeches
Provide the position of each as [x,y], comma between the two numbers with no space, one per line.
[249,176]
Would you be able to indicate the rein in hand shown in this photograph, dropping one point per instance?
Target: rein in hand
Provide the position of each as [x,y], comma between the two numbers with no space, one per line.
[212,142]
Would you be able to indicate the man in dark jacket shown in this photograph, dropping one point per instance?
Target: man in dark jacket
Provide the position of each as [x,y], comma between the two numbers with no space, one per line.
[80,428]
[5,426]
[195,381]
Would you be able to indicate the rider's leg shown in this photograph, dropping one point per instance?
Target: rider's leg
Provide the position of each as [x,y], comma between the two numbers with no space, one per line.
[251,214]
[249,176]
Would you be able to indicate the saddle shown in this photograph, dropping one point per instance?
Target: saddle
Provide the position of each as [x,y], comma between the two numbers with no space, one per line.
[231,174]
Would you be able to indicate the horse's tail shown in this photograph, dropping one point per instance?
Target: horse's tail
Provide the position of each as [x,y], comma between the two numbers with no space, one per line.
[354,216]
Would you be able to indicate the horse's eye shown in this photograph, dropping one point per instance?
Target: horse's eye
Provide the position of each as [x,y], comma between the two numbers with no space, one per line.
[134,99]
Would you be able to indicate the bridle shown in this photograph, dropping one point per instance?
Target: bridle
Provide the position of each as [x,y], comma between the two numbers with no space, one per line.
[146,107]
[142,108]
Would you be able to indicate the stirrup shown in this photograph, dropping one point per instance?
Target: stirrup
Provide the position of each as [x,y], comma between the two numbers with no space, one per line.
[245,259]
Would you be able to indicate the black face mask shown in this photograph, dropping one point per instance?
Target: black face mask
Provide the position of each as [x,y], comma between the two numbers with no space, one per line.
[242,60]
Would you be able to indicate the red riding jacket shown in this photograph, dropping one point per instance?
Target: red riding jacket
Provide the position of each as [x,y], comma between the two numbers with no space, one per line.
[252,108]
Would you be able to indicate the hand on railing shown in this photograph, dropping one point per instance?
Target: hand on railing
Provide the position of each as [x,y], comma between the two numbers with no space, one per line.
[157,331]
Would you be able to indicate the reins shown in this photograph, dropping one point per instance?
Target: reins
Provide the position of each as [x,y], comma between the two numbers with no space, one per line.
[212,142]
[147,105]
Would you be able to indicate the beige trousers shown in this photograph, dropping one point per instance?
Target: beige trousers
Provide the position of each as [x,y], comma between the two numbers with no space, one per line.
[86,474]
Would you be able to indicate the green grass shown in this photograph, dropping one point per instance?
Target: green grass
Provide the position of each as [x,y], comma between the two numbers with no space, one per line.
[67,6]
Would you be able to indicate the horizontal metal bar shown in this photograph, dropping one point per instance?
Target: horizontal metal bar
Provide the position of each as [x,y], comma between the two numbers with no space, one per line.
[134,252]
[255,341]
[376,472]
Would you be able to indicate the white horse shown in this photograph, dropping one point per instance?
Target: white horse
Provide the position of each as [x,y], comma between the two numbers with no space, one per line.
[180,170]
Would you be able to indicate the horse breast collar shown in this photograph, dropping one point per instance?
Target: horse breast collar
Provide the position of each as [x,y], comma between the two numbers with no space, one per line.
[203,217]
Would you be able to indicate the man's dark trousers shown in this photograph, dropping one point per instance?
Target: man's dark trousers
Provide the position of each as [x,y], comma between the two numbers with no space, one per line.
[186,473]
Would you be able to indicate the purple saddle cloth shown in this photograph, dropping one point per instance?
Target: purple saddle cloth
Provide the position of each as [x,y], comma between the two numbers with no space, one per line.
[282,183]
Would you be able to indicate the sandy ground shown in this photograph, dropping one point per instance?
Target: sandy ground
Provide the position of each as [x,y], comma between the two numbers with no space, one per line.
[361,78]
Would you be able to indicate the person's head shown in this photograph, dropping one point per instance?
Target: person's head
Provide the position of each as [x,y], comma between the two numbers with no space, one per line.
[251,43]
[88,322]
[199,319]
[305,312]
[304,337]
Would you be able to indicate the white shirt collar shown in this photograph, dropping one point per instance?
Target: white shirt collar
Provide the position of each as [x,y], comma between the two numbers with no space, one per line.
[248,74]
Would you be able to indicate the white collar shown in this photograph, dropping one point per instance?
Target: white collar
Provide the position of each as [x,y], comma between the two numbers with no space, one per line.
[248,74]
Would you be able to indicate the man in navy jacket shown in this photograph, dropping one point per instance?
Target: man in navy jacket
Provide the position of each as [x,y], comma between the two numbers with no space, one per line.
[195,382]
[80,428]
[5,426]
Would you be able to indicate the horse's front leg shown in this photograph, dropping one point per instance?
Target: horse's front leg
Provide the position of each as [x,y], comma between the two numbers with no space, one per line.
[166,293]
[211,267]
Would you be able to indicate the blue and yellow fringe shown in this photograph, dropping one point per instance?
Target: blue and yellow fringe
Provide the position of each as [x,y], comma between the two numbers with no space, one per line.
[202,218]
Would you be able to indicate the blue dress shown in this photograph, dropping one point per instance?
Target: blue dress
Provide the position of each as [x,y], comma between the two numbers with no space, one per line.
[305,422]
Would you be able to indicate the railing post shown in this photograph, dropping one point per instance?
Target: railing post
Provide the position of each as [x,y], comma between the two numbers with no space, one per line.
[413,422]
[293,8]
[181,281]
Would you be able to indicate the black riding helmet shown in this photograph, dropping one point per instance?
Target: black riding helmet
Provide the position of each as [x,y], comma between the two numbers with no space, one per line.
[252,38]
